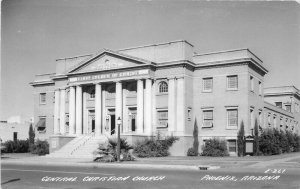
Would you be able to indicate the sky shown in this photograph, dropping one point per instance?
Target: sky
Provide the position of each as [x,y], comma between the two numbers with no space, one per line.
[34,33]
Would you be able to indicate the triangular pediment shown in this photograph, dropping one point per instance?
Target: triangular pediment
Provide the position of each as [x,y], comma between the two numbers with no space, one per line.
[107,60]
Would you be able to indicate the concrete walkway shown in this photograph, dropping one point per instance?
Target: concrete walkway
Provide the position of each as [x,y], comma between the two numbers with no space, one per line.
[192,163]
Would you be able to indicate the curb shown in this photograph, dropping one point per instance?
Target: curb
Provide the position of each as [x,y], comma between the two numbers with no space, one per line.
[114,165]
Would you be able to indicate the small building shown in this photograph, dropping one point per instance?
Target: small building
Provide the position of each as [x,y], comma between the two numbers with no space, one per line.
[156,89]
[14,128]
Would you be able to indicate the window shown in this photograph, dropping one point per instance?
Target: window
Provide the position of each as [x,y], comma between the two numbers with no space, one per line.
[274,121]
[207,84]
[232,118]
[232,82]
[207,118]
[252,118]
[232,145]
[189,114]
[42,98]
[162,116]
[251,83]
[278,104]
[269,119]
[41,125]
[281,122]
[288,108]
[259,88]
[260,118]
[92,94]
[163,87]
[296,107]
[67,122]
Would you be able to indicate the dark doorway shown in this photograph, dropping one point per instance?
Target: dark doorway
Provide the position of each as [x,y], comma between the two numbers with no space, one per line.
[133,124]
[112,124]
[93,125]
[15,136]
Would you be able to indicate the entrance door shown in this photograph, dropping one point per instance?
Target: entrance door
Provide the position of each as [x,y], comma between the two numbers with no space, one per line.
[132,119]
[93,125]
[112,124]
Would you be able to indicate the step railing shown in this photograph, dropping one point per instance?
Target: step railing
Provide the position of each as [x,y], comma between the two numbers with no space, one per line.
[90,136]
[79,140]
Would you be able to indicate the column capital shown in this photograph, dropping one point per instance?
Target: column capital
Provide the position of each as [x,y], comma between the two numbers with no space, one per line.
[97,83]
[173,77]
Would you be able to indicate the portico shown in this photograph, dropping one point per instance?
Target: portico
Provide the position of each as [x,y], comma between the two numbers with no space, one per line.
[131,100]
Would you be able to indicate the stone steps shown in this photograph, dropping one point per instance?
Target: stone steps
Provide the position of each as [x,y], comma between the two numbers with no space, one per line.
[80,147]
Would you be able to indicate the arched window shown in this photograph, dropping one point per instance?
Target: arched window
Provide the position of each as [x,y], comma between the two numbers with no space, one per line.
[163,87]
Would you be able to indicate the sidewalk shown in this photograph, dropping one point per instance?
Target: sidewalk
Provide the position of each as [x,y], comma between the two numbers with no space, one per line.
[191,163]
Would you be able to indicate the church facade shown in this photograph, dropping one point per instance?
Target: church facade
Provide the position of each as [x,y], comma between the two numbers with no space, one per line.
[163,89]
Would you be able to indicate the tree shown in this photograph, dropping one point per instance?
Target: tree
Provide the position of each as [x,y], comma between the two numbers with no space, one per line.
[31,134]
[195,135]
[240,140]
[256,139]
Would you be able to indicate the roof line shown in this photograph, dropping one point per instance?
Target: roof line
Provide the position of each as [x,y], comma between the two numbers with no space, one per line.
[222,51]
[157,44]
[79,56]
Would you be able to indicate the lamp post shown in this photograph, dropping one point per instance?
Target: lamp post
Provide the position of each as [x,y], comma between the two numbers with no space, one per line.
[118,145]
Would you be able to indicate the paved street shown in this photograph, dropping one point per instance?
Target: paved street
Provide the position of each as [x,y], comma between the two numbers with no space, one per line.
[46,176]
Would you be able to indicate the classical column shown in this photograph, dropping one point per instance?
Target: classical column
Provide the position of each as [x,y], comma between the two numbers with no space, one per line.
[125,110]
[78,110]
[56,112]
[118,104]
[181,109]
[85,125]
[72,111]
[172,105]
[154,111]
[148,107]
[104,114]
[62,111]
[140,106]
[98,112]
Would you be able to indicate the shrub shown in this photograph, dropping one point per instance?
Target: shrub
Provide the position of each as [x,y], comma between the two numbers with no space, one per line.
[297,143]
[18,146]
[256,139]
[291,141]
[215,147]
[108,153]
[192,152]
[31,135]
[195,135]
[241,141]
[40,147]
[154,148]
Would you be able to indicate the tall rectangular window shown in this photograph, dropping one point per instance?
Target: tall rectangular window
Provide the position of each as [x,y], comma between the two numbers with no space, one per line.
[252,118]
[162,118]
[251,83]
[260,118]
[274,121]
[207,118]
[259,88]
[232,118]
[207,84]
[42,98]
[232,82]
